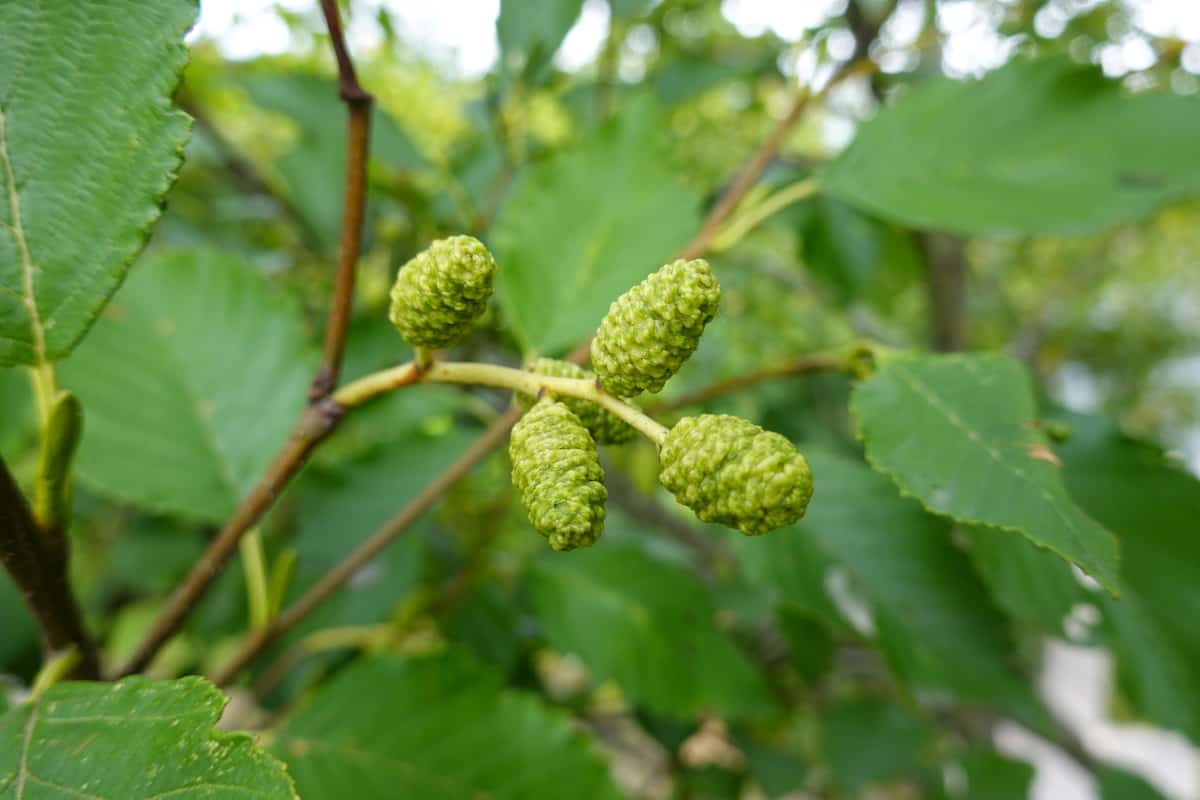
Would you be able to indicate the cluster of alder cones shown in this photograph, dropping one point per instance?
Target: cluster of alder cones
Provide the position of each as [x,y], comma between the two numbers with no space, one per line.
[724,468]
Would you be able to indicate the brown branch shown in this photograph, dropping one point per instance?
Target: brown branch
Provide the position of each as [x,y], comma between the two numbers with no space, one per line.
[322,416]
[262,638]
[40,573]
[358,129]
[799,366]
[946,282]
[258,641]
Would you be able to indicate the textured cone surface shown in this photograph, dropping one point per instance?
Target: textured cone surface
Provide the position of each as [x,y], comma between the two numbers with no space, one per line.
[654,327]
[731,471]
[556,469]
[441,291]
[604,427]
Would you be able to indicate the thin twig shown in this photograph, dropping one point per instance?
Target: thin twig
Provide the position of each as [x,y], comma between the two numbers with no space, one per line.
[761,158]
[354,204]
[259,640]
[799,366]
[322,416]
[41,576]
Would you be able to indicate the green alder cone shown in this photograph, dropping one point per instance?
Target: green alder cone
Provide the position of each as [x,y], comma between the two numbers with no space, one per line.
[731,471]
[654,327]
[556,469]
[441,291]
[604,427]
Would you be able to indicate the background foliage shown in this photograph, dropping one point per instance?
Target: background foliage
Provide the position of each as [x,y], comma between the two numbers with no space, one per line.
[973,512]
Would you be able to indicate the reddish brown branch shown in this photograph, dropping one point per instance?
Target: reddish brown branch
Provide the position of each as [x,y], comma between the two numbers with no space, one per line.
[40,573]
[322,415]
[353,213]
[799,366]
[348,86]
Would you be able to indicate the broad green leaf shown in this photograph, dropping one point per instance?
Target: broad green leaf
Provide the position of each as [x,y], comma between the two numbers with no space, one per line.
[777,773]
[649,626]
[1032,585]
[931,618]
[530,36]
[337,508]
[628,8]
[795,567]
[437,726]
[1153,505]
[1117,784]
[313,170]
[17,428]
[190,384]
[960,434]
[581,228]
[89,144]
[867,742]
[859,256]
[684,77]
[987,775]
[810,642]
[487,621]
[1039,145]
[131,739]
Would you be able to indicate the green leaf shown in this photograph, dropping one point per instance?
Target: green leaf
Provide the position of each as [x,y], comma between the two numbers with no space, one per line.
[313,170]
[649,626]
[89,144]
[487,621]
[991,776]
[931,618]
[1032,585]
[810,642]
[437,726]
[858,256]
[628,8]
[1038,145]
[960,434]
[867,742]
[529,37]
[134,738]
[581,228]
[190,384]
[1153,505]
[17,425]
[1116,784]
[336,509]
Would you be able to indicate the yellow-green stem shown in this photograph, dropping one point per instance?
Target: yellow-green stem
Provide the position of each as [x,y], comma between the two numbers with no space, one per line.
[517,380]
[742,224]
[57,667]
[255,569]
[45,388]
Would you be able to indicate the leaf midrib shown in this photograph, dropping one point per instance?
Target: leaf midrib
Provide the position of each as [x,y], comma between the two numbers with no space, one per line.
[936,402]
[29,298]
